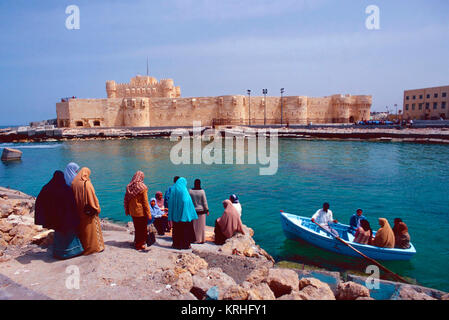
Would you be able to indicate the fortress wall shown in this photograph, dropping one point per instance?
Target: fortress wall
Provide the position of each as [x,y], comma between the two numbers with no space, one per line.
[159,112]
[136,112]
[182,111]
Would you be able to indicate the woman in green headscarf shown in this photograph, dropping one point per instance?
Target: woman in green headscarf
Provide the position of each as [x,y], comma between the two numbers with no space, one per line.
[181,212]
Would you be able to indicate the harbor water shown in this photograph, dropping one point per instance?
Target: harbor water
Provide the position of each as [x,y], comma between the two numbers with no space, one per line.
[387,180]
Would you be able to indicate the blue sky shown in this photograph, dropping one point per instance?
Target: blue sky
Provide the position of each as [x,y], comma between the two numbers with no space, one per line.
[218,47]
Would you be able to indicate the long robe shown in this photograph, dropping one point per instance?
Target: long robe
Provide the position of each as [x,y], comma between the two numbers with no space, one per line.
[200,202]
[181,212]
[90,228]
[55,209]
[228,224]
[384,236]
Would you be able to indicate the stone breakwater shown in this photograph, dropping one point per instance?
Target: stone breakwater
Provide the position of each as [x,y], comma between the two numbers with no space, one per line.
[387,134]
[237,270]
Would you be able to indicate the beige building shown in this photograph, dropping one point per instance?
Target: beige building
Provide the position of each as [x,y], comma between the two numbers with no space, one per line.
[426,104]
[145,102]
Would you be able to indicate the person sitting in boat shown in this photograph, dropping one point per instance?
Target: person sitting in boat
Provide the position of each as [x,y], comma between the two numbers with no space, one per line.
[323,217]
[354,222]
[364,233]
[384,236]
[401,235]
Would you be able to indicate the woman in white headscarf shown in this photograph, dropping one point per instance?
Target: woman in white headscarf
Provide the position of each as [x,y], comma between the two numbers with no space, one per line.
[70,173]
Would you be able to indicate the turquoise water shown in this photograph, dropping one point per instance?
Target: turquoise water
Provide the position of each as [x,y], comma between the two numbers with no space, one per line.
[384,179]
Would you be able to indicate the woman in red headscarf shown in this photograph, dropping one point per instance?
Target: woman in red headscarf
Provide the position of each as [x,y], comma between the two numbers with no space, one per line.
[136,205]
[401,235]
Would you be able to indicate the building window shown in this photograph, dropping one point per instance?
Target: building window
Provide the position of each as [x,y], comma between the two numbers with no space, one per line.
[414,97]
[407,98]
[420,96]
[427,105]
[428,96]
[413,106]
[96,123]
[435,95]
[79,123]
[443,94]
[420,106]
[435,105]
[443,105]
[406,107]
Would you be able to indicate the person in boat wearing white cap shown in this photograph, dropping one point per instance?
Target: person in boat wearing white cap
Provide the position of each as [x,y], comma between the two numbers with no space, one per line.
[323,217]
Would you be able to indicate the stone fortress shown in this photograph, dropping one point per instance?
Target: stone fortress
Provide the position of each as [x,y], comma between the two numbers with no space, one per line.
[145,102]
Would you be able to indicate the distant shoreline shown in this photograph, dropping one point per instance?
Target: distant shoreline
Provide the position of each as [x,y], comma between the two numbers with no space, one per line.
[339,133]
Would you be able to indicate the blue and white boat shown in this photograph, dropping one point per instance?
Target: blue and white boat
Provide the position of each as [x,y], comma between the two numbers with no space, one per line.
[297,227]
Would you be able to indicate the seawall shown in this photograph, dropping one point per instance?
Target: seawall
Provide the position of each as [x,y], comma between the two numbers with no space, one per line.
[331,132]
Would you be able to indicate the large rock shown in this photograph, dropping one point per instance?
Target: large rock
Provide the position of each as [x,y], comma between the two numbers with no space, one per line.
[282,281]
[258,275]
[190,262]
[22,234]
[259,291]
[10,154]
[235,292]
[314,289]
[408,293]
[295,295]
[205,279]
[5,226]
[351,291]
[184,283]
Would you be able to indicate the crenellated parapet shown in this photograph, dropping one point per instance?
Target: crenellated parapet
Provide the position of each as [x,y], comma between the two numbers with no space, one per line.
[143,86]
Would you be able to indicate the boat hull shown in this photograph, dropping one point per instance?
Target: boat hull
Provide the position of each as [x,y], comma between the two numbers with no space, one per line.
[296,227]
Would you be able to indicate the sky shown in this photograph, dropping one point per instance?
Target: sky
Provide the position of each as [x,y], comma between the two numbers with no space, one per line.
[219,47]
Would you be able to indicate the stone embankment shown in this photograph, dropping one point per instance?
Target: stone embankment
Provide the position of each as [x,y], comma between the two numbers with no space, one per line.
[347,132]
[237,270]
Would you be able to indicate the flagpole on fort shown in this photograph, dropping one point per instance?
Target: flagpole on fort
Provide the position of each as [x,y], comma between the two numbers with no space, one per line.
[249,106]
[147,67]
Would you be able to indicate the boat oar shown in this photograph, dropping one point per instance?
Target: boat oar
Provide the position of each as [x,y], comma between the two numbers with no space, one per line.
[363,255]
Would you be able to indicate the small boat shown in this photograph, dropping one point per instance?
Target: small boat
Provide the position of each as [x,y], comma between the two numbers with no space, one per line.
[297,227]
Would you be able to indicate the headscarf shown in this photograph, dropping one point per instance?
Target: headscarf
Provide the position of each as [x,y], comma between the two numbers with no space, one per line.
[81,195]
[401,228]
[55,206]
[234,198]
[230,221]
[180,203]
[401,235]
[197,184]
[160,202]
[384,236]
[70,172]
[397,221]
[156,212]
[133,189]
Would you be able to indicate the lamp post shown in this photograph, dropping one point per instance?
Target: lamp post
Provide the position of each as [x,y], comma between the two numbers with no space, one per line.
[249,106]
[265,91]
[282,105]
[396,106]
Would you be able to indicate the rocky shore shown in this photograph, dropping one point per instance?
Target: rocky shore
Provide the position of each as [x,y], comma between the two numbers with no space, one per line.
[343,132]
[237,270]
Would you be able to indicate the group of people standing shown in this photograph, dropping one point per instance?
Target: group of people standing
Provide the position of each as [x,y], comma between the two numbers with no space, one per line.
[385,237]
[68,204]
[180,210]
